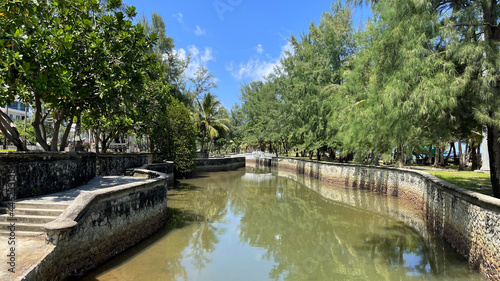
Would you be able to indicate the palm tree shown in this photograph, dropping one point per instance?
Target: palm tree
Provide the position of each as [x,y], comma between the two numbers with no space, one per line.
[208,119]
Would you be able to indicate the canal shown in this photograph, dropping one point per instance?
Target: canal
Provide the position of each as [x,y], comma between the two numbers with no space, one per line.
[253,224]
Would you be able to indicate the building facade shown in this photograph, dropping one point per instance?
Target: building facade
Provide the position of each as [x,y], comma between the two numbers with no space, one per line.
[17,110]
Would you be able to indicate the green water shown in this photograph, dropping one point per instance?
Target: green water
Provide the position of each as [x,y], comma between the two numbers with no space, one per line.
[250,225]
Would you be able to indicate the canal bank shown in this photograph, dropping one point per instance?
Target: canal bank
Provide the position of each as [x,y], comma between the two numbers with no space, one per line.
[468,221]
[104,215]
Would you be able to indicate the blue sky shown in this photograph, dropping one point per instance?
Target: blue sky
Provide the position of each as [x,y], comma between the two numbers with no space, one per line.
[236,40]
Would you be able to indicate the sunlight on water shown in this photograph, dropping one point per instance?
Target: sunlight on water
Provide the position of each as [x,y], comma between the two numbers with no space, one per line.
[253,225]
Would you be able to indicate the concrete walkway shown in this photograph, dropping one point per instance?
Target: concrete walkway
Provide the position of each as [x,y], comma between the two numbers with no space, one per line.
[69,195]
[29,251]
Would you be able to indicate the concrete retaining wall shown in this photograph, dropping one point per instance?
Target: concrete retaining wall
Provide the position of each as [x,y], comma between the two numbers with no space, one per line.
[115,164]
[39,173]
[103,223]
[468,221]
[166,167]
[219,164]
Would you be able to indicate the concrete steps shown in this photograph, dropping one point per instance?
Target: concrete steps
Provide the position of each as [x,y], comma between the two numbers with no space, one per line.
[29,217]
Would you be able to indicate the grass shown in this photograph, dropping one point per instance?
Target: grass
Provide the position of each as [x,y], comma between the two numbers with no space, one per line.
[466,179]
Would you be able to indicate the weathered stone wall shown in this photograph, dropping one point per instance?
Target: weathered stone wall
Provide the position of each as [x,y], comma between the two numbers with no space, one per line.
[468,221]
[110,164]
[39,173]
[219,164]
[166,167]
[101,224]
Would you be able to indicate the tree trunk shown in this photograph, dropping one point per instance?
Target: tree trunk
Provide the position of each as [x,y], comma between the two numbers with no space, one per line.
[78,131]
[441,155]
[490,19]
[460,159]
[97,140]
[473,157]
[452,146]
[465,153]
[430,155]
[436,156]
[55,135]
[38,125]
[10,131]
[318,156]
[494,152]
[400,163]
[64,139]
[105,142]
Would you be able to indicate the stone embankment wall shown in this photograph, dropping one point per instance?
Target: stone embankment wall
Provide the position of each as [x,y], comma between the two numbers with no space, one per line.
[115,164]
[219,164]
[166,167]
[103,223]
[468,221]
[40,173]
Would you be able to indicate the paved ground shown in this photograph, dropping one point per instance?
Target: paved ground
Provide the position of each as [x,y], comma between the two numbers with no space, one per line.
[68,195]
[29,251]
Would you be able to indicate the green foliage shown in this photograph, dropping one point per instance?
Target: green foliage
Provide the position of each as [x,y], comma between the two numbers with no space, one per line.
[236,127]
[210,120]
[67,57]
[400,91]
[180,136]
[289,108]
[29,134]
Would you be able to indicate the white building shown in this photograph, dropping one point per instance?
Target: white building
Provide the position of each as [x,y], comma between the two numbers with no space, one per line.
[17,110]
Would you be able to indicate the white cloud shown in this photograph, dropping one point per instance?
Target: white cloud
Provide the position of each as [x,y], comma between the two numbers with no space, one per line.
[286,48]
[253,69]
[179,17]
[198,58]
[256,68]
[199,31]
[260,49]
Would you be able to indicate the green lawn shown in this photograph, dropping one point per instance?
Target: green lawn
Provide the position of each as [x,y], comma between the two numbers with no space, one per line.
[467,179]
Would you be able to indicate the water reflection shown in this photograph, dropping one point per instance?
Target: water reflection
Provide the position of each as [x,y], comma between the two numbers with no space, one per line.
[257,226]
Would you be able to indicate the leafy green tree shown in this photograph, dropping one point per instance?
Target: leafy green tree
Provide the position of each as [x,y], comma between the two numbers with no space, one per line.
[237,121]
[174,136]
[171,65]
[454,46]
[210,124]
[400,92]
[73,56]
[318,62]
[289,107]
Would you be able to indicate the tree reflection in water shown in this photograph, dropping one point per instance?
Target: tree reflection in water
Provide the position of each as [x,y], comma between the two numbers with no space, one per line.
[298,234]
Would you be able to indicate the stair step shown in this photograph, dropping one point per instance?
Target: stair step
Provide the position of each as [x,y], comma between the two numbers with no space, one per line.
[37,205]
[22,226]
[33,212]
[24,233]
[28,218]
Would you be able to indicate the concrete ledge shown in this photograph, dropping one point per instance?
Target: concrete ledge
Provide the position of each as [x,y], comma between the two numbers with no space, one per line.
[468,221]
[40,173]
[102,223]
[167,167]
[115,164]
[219,164]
